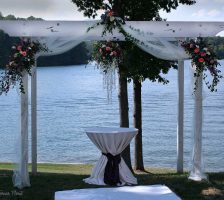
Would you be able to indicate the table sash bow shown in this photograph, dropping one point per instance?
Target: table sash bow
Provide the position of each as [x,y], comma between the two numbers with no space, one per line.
[111,174]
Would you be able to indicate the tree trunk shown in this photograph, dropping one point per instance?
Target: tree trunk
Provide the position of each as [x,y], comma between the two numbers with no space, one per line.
[137,86]
[124,110]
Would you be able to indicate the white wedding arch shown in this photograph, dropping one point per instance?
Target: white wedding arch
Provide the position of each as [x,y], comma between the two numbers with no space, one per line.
[159,37]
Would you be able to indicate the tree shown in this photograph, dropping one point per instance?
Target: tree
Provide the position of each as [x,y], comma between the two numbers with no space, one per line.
[10,17]
[142,66]
[76,56]
[1,16]
[217,44]
[130,10]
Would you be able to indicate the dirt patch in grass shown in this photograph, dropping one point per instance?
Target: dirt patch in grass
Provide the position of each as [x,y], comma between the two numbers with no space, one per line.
[212,192]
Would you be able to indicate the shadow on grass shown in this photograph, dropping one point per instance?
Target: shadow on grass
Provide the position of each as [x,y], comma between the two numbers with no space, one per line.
[44,185]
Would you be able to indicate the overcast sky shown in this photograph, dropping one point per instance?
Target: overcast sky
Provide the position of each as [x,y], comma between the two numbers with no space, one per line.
[203,10]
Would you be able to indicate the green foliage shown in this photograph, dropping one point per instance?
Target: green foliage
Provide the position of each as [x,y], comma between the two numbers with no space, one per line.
[10,17]
[77,55]
[142,65]
[22,59]
[130,9]
[57,177]
[107,54]
[217,45]
[6,43]
[204,59]
[1,16]
[138,64]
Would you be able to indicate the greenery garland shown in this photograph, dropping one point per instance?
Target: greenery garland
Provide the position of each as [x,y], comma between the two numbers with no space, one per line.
[111,58]
[202,56]
[111,22]
[204,59]
[21,60]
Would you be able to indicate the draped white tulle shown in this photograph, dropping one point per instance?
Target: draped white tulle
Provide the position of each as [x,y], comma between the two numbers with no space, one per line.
[20,173]
[159,41]
[197,164]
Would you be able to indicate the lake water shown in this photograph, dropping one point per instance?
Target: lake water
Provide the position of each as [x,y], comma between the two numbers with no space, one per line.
[72,98]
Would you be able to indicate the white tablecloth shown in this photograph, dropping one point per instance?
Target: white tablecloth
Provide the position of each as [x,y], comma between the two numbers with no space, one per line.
[113,141]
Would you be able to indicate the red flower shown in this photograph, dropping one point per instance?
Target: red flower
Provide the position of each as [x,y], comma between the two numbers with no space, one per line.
[197,50]
[203,54]
[110,13]
[201,60]
[115,53]
[24,53]
[19,48]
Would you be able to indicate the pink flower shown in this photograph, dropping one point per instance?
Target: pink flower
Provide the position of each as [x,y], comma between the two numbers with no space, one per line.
[107,48]
[203,54]
[201,60]
[191,46]
[197,50]
[100,50]
[115,53]
[19,48]
[24,53]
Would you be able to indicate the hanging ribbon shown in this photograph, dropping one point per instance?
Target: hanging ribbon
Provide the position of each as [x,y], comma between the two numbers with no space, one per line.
[111,174]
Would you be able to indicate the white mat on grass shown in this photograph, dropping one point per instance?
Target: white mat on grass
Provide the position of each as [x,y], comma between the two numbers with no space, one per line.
[153,192]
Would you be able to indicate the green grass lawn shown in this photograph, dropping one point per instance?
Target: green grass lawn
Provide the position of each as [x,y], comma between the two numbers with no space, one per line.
[56,177]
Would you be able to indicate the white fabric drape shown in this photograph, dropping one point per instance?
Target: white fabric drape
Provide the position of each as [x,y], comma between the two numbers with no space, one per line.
[76,29]
[164,48]
[58,45]
[113,141]
[158,37]
[55,45]
[197,165]
[21,173]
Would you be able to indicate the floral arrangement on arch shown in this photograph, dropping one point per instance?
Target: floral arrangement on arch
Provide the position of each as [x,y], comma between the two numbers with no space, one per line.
[21,61]
[107,54]
[202,56]
[109,21]
[204,59]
